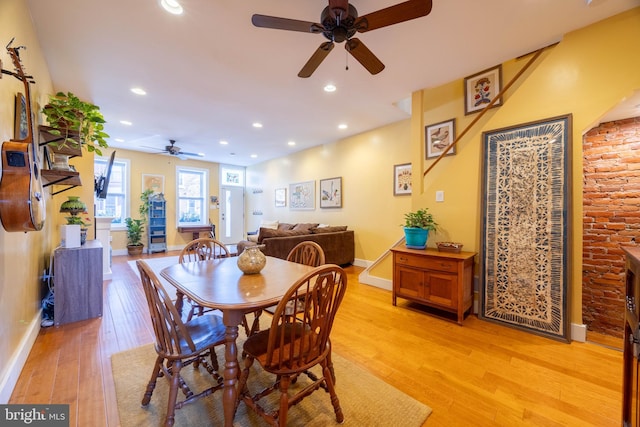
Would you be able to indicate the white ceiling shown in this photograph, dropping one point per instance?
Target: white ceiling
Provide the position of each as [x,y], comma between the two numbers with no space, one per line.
[209,74]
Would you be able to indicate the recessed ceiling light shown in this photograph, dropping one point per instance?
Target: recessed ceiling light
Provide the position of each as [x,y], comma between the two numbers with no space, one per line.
[126,122]
[291,143]
[138,91]
[254,156]
[172,6]
[119,140]
[257,125]
[342,126]
[223,142]
[201,154]
[330,88]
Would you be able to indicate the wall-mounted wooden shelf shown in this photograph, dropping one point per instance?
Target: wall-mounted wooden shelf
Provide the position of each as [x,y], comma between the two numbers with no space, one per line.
[60,177]
[66,178]
[51,141]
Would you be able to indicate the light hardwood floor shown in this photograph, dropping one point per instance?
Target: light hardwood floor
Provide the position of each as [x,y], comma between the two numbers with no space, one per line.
[479,374]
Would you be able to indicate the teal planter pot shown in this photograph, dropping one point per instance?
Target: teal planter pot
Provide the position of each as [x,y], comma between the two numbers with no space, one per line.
[416,238]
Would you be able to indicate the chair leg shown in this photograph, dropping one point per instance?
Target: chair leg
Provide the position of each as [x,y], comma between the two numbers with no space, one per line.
[328,378]
[242,381]
[152,382]
[173,393]
[284,400]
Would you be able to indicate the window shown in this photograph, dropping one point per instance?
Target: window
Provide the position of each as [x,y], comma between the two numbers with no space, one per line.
[192,196]
[116,204]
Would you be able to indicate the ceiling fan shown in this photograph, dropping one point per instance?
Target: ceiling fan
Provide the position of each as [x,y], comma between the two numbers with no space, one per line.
[340,22]
[173,150]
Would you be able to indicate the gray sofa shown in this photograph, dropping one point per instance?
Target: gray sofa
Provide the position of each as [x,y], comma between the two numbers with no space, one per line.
[338,243]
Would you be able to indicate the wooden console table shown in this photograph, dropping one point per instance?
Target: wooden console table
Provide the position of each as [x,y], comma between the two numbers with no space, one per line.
[195,229]
[441,280]
[77,274]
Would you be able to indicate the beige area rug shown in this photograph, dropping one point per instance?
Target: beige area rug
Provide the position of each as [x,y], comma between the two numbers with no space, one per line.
[365,399]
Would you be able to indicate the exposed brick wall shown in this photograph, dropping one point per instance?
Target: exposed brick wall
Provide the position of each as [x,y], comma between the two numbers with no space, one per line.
[611,194]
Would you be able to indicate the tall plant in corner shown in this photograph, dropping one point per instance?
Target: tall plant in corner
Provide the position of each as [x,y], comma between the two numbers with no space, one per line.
[80,123]
[135,227]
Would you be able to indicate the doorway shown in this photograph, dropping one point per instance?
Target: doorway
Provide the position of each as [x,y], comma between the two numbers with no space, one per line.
[231,229]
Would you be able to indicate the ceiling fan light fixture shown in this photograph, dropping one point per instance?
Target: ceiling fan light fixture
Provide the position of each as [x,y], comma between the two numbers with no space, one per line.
[172,6]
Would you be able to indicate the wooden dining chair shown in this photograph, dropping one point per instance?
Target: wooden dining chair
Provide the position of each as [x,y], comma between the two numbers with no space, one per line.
[179,344]
[295,343]
[199,250]
[307,253]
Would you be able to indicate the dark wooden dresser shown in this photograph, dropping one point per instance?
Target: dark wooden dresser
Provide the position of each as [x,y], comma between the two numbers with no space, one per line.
[440,280]
[631,378]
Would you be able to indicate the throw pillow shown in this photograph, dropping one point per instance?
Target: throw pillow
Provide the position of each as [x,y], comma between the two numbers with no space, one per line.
[305,226]
[269,224]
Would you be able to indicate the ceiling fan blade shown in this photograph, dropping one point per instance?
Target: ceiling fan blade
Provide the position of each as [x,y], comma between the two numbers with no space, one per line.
[402,12]
[364,56]
[183,153]
[153,148]
[285,24]
[316,59]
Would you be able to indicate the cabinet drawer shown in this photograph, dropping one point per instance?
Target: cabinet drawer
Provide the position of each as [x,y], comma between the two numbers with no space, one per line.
[426,262]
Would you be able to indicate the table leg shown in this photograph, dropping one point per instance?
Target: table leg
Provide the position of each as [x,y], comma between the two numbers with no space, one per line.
[231,320]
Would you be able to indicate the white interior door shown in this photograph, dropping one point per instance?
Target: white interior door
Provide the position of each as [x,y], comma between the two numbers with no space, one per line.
[231,229]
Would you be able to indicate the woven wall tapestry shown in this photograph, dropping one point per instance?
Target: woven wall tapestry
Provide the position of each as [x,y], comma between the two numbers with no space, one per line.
[525,206]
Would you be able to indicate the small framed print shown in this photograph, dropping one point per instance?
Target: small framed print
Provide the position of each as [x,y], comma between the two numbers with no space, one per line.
[402,179]
[438,137]
[331,193]
[302,196]
[281,197]
[153,182]
[481,88]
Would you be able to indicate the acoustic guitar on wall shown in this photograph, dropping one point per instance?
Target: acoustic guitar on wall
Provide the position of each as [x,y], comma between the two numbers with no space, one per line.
[22,203]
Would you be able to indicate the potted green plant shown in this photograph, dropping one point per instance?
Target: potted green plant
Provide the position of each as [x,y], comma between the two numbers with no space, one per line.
[68,115]
[417,226]
[135,228]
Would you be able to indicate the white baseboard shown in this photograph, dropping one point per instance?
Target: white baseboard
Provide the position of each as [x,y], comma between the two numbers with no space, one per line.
[13,368]
[578,332]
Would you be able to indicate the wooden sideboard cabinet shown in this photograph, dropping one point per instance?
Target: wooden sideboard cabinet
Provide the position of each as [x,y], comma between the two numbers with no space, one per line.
[440,280]
[77,277]
[630,372]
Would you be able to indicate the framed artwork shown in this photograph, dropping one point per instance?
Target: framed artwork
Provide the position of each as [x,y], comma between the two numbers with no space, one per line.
[525,224]
[402,179]
[281,197]
[331,193]
[302,195]
[481,88]
[153,182]
[20,131]
[438,137]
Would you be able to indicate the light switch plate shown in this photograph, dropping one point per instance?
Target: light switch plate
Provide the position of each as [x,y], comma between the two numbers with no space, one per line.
[440,196]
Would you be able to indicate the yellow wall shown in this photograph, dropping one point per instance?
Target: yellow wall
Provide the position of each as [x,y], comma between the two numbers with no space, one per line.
[159,164]
[586,75]
[365,163]
[22,255]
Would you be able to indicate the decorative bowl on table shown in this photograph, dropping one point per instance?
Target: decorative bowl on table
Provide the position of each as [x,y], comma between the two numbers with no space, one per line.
[449,247]
[252,260]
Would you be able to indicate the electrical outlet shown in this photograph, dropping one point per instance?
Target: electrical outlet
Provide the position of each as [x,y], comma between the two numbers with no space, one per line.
[440,196]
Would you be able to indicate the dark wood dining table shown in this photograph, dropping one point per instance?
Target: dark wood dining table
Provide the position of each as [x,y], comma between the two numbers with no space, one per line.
[220,284]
